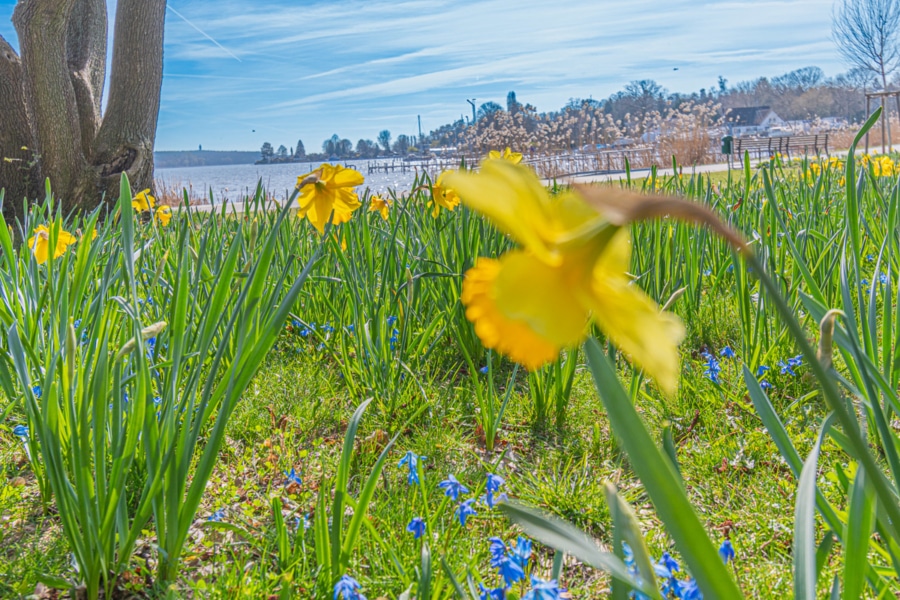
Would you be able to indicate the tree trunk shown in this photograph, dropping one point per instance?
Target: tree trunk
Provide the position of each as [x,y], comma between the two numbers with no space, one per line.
[17,168]
[49,93]
[86,54]
[126,138]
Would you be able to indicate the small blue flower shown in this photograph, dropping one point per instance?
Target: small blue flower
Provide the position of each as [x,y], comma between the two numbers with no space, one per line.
[37,391]
[350,329]
[883,279]
[348,589]
[786,368]
[864,282]
[730,269]
[765,385]
[391,321]
[510,571]
[498,551]
[453,488]
[327,328]
[21,431]
[542,590]
[761,370]
[727,352]
[292,477]
[795,361]
[870,257]
[493,485]
[689,590]
[465,510]
[305,332]
[668,562]
[411,460]
[483,370]
[712,368]
[707,272]
[726,551]
[416,527]
[494,594]
[522,552]
[216,516]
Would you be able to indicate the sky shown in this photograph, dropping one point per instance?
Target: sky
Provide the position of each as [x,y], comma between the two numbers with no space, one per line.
[240,73]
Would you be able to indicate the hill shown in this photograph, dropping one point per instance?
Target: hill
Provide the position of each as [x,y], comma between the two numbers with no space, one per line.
[201,158]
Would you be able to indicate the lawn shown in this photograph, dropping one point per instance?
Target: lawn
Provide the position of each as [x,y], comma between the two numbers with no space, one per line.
[252,385]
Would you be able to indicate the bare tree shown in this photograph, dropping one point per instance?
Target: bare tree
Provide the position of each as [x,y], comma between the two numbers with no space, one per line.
[867,33]
[50,100]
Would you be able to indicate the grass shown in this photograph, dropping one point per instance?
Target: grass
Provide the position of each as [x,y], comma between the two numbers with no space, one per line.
[295,412]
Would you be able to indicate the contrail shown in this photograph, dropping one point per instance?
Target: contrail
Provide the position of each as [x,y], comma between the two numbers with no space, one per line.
[203,33]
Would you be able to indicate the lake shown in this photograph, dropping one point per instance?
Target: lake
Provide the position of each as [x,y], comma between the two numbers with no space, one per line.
[233,182]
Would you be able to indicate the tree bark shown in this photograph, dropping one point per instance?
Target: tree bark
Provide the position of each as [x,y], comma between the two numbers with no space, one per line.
[49,94]
[18,173]
[86,54]
[126,137]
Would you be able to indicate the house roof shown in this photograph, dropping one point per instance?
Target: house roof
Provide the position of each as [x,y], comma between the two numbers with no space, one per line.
[748,115]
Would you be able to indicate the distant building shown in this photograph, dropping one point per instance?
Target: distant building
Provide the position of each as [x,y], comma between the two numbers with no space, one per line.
[753,120]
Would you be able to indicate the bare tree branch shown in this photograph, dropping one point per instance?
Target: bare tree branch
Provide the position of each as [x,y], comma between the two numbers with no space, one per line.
[86,53]
[49,94]
[867,33]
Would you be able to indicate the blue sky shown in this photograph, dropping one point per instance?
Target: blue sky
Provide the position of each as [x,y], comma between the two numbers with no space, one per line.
[239,73]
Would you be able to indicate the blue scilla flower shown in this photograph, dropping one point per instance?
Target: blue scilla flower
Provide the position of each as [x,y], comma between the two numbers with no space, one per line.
[327,328]
[452,487]
[493,485]
[761,370]
[730,269]
[786,368]
[20,431]
[542,590]
[689,591]
[305,332]
[37,391]
[727,352]
[295,323]
[864,282]
[292,477]
[347,588]
[870,257]
[350,329]
[391,321]
[666,568]
[494,594]
[712,369]
[411,460]
[726,551]
[668,562]
[416,527]
[522,552]
[883,279]
[217,516]
[497,550]
[76,323]
[510,571]
[765,385]
[465,510]
[795,361]
[483,370]
[707,272]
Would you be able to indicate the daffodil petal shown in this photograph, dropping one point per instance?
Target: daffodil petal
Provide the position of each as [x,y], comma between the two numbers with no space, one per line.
[632,320]
[512,197]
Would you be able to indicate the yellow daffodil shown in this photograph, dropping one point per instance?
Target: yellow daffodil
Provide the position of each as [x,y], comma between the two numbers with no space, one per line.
[164,214]
[513,157]
[442,196]
[143,201]
[378,204]
[571,269]
[342,241]
[328,188]
[883,166]
[39,243]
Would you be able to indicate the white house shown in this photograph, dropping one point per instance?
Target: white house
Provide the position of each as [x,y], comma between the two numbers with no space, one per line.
[752,120]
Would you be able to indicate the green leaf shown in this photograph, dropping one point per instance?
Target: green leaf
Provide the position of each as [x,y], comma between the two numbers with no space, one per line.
[661,481]
[860,524]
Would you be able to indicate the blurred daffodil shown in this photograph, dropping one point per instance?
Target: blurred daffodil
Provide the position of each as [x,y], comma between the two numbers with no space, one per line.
[380,205]
[571,269]
[513,157]
[328,188]
[39,243]
[143,201]
[164,214]
[442,196]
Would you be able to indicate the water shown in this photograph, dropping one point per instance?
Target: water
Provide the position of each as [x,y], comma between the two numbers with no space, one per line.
[233,182]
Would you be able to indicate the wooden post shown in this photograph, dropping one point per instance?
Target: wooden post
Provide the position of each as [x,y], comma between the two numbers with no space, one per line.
[868,112]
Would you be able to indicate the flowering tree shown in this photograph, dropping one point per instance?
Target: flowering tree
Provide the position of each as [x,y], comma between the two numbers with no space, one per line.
[50,98]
